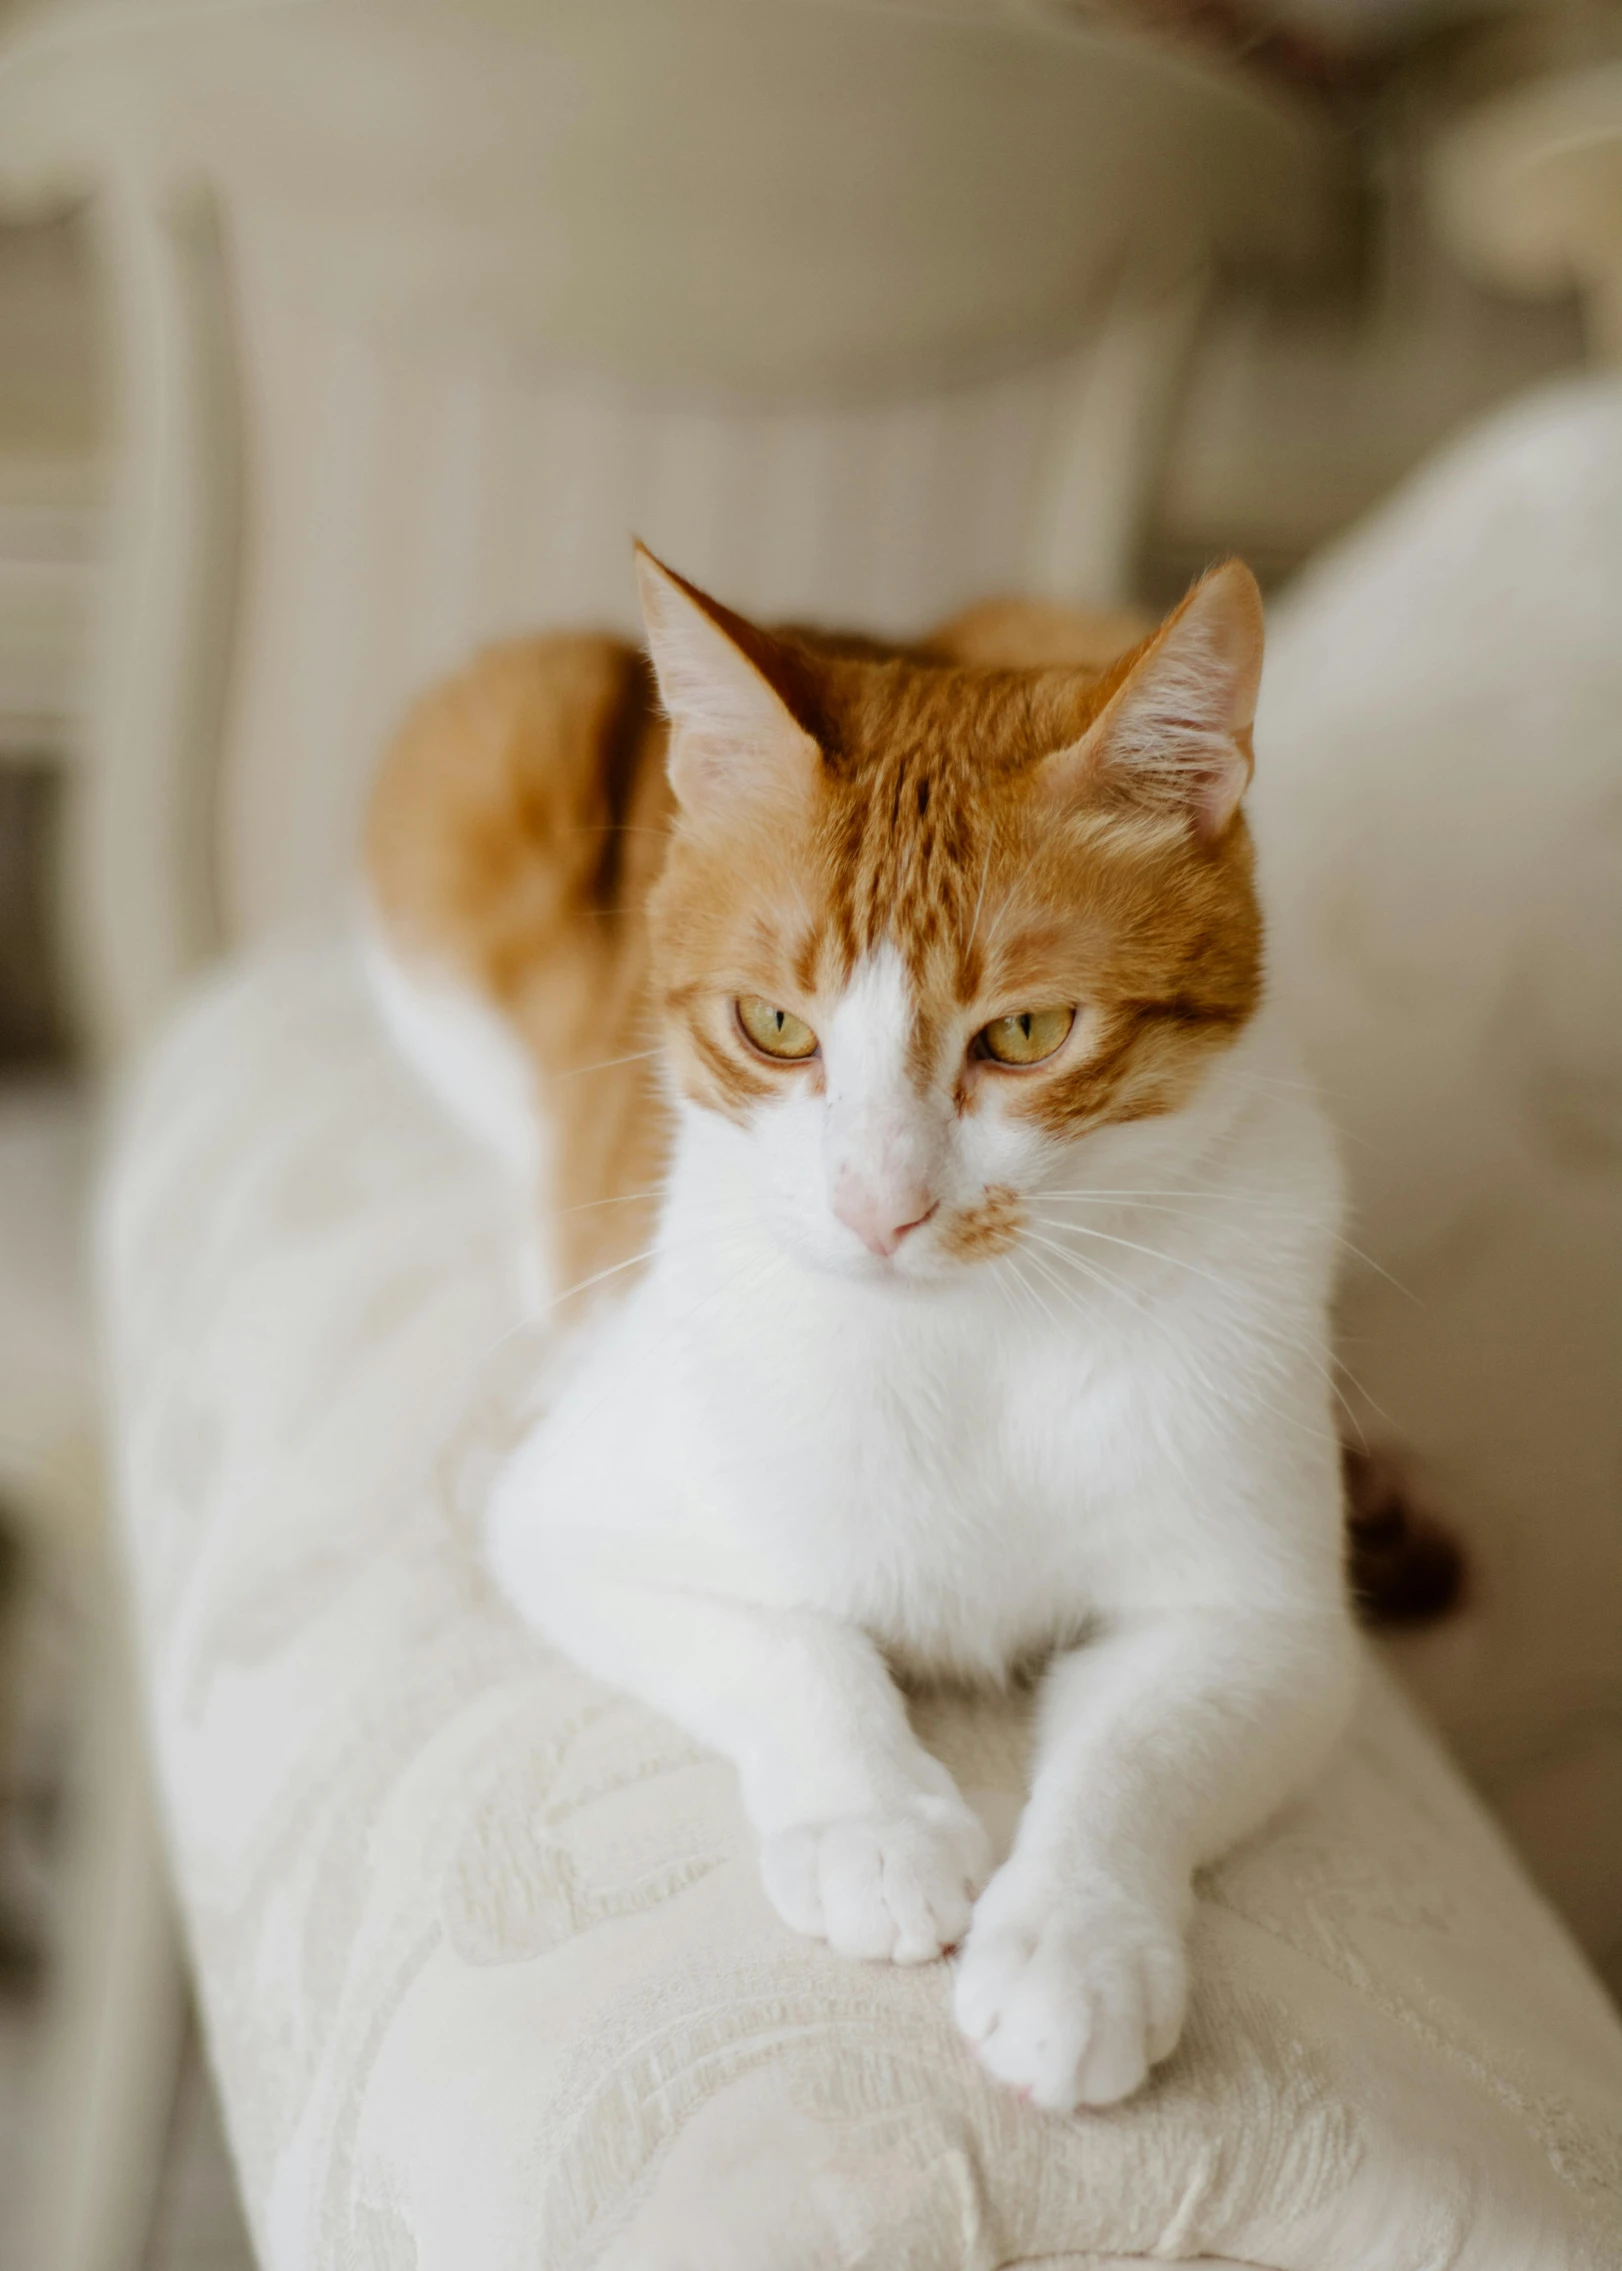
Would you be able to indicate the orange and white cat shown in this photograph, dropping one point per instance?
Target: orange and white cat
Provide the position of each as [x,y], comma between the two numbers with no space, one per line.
[951,1247]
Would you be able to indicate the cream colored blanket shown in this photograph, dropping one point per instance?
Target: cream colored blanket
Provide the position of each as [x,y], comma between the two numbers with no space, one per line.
[488,1978]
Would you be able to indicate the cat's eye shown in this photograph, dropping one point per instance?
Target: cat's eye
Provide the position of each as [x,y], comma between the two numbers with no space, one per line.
[775,1032]
[1027,1037]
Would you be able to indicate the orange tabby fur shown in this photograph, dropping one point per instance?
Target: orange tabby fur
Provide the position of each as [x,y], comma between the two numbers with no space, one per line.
[518,824]
[521,839]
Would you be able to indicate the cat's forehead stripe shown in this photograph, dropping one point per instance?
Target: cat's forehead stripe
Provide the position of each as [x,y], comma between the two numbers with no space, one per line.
[906,840]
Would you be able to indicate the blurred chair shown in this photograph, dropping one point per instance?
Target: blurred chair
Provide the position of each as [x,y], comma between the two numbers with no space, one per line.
[1526,184]
[120,1979]
[415,313]
[857,312]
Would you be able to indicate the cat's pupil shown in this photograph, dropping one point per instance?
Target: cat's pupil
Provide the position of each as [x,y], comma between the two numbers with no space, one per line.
[1025,1023]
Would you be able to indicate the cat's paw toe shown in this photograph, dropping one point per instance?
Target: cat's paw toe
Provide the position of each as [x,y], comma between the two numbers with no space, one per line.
[1070,2000]
[893,1888]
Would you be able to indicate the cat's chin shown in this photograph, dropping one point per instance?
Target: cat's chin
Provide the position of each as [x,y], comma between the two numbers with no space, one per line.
[923,1272]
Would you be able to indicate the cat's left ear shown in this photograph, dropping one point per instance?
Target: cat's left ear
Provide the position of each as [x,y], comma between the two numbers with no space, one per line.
[733,737]
[1175,735]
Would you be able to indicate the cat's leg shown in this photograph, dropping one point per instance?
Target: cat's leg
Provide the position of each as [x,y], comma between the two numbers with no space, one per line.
[1161,1744]
[865,1839]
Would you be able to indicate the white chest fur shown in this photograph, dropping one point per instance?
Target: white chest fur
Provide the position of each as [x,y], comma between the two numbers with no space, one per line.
[886,1458]
[966,1474]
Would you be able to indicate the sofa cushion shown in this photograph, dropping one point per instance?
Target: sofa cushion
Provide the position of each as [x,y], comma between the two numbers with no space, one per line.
[1438,806]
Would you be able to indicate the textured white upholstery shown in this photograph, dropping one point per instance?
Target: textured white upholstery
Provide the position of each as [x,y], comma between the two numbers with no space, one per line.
[488,1975]
[1439,803]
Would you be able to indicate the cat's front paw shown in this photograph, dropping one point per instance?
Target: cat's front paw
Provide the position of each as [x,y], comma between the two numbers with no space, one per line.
[895,1887]
[1070,1995]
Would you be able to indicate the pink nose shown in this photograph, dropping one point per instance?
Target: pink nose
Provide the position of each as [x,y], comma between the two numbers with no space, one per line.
[882,1222]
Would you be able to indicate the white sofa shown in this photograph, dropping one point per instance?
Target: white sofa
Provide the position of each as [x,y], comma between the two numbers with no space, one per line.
[484,1970]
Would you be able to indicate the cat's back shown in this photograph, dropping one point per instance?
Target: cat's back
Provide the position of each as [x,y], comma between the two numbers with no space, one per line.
[498,805]
[517,824]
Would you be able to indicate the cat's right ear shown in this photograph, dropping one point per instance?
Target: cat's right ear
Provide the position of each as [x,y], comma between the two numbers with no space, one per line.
[1175,736]
[733,738]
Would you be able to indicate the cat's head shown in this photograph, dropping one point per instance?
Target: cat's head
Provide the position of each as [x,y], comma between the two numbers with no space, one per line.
[926,928]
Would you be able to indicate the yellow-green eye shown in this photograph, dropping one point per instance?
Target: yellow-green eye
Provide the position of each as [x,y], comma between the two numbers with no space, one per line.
[1027,1037]
[775,1032]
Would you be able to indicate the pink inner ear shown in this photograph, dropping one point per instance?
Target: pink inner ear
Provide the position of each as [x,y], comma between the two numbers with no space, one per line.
[732,735]
[1177,735]
[1216,802]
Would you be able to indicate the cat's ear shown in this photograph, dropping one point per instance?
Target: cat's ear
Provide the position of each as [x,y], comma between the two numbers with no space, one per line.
[732,735]
[1176,733]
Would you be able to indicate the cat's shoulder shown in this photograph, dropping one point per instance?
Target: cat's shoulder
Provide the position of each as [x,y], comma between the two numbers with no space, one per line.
[520,746]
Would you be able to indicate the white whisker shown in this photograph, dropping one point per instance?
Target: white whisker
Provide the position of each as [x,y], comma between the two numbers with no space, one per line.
[1135,1246]
[1259,1337]
[1110,1280]
[635,1057]
[1067,1293]
[619,1198]
[585,1284]
[1155,1202]
[1039,1299]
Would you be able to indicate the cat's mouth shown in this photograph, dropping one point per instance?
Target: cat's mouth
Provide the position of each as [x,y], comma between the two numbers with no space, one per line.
[992,1224]
[942,1238]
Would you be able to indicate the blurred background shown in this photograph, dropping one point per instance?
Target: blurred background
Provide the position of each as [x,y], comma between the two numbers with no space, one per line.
[334,339]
